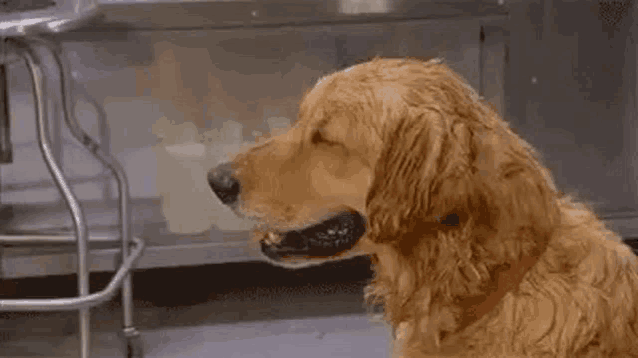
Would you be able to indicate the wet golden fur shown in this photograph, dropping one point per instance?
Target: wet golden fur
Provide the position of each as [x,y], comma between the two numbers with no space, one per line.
[475,251]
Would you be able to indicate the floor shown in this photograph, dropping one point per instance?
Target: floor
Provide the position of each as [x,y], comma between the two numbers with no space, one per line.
[226,310]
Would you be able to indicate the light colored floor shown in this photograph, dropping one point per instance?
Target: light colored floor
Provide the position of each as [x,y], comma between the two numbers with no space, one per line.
[248,310]
[340,336]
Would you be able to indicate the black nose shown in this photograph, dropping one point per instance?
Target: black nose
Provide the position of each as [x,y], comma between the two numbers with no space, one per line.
[224,184]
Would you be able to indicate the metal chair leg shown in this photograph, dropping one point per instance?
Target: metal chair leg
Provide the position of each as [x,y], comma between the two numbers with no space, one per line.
[79,222]
[122,277]
[134,348]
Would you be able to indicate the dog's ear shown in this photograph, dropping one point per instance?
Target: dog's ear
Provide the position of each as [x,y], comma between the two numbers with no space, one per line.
[459,205]
[440,170]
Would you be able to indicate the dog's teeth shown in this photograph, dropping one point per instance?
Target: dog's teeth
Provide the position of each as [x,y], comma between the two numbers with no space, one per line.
[271,238]
[331,232]
[343,232]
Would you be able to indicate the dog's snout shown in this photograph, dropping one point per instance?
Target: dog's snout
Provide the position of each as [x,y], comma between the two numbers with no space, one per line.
[224,184]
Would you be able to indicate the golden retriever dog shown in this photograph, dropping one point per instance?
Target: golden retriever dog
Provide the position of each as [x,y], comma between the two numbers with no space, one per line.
[475,251]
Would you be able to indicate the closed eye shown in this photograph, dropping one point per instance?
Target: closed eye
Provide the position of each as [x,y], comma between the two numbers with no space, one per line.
[318,138]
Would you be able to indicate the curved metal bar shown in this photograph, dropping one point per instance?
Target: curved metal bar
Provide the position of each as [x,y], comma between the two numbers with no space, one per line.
[107,160]
[114,166]
[75,303]
[35,71]
[64,15]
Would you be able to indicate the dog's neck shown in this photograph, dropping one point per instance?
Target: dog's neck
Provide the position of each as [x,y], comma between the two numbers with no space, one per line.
[466,299]
[505,278]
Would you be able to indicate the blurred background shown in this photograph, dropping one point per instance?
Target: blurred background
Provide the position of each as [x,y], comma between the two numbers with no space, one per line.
[174,88]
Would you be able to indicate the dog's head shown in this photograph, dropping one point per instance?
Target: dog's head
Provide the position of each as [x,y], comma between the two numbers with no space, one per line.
[397,152]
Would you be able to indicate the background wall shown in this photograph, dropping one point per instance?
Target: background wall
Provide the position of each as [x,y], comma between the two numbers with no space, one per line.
[569,88]
[571,92]
[177,103]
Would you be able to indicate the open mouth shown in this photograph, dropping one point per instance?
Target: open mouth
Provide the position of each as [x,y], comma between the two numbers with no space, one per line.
[327,238]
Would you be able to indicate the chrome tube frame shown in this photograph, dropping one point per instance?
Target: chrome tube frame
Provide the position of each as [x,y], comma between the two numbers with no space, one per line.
[65,15]
[114,166]
[24,48]
[77,303]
